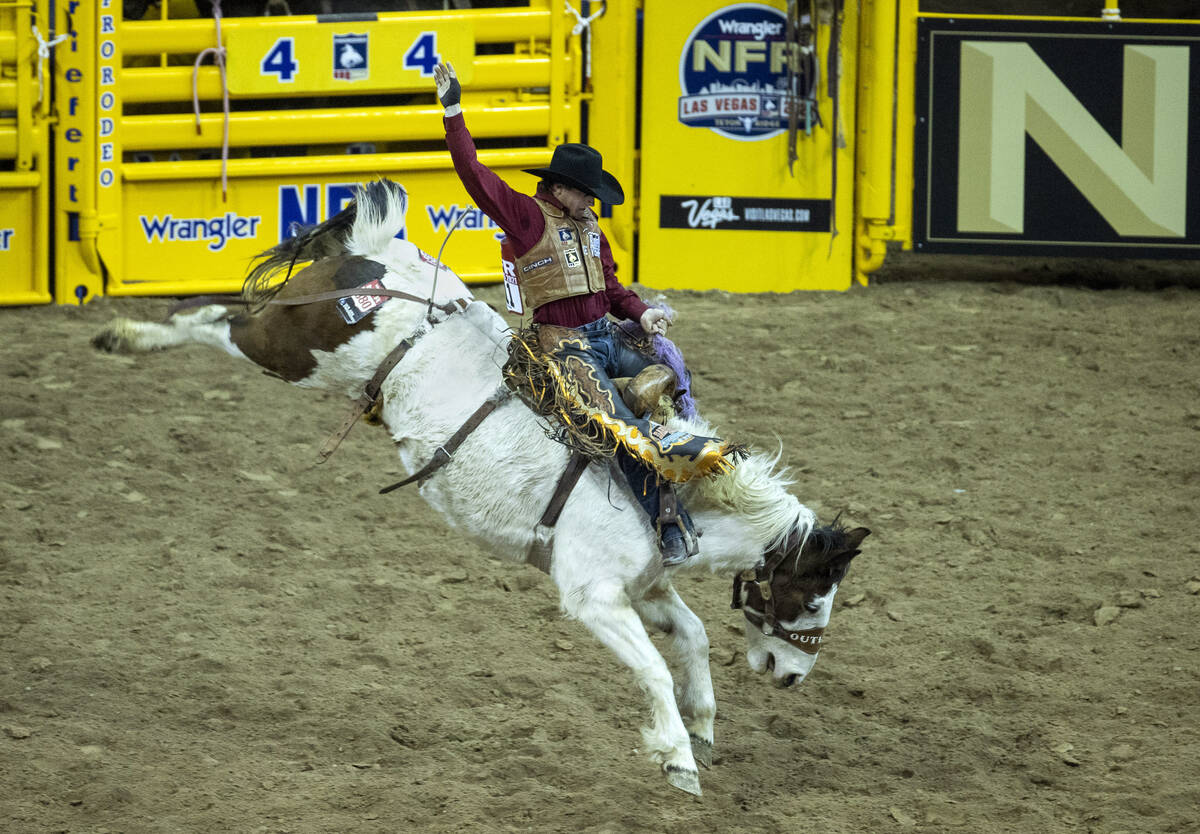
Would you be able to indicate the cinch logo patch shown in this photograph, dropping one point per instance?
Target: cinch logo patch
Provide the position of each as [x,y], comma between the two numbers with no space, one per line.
[536,264]
[216,230]
[350,57]
[733,73]
[6,238]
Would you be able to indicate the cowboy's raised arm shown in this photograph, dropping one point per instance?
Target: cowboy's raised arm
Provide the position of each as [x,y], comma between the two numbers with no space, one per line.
[516,213]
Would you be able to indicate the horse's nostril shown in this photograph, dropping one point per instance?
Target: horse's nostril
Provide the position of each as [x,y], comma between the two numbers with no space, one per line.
[788,681]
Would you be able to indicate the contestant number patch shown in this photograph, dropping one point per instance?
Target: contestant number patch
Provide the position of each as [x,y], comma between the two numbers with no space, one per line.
[512,290]
[355,308]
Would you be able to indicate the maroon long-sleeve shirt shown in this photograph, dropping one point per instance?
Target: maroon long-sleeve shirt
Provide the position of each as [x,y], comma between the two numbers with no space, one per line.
[521,219]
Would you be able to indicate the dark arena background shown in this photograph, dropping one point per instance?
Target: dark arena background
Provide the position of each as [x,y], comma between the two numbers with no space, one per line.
[201,630]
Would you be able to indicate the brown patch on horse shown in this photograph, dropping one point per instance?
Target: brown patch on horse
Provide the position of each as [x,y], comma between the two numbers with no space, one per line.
[282,339]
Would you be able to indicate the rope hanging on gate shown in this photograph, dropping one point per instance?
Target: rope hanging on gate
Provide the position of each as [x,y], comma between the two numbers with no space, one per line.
[43,52]
[218,55]
[837,140]
[803,76]
[582,23]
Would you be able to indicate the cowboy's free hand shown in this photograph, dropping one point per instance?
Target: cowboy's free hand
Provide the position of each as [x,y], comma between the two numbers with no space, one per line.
[655,320]
[449,92]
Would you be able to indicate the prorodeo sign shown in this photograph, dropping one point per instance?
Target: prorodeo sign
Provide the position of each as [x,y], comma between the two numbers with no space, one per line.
[733,73]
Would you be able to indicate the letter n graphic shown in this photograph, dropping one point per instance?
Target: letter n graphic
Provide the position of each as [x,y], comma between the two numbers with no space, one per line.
[293,209]
[1139,186]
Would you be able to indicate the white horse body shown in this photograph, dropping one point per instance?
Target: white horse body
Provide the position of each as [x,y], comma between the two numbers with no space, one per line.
[605,562]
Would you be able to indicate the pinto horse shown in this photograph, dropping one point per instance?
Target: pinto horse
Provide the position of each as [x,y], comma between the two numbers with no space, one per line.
[496,485]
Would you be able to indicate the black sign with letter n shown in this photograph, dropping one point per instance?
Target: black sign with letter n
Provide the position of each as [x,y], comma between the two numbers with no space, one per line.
[1057,138]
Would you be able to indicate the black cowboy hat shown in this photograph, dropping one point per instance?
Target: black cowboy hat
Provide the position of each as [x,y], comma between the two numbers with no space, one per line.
[580,166]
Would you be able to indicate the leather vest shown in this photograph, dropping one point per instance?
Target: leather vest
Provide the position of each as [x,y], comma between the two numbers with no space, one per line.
[564,262]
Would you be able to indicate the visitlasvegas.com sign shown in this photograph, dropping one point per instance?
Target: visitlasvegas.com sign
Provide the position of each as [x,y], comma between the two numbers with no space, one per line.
[733,73]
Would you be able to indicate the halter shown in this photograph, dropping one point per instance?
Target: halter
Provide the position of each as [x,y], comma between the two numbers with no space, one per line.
[807,640]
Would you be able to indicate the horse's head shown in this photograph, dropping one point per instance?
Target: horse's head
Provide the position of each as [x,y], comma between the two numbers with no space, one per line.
[788,597]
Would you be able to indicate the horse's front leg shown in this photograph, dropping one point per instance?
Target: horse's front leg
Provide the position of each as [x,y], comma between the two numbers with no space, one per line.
[605,609]
[207,325]
[664,610]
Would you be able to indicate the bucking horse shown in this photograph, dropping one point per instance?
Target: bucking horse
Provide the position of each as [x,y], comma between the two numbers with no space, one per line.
[347,306]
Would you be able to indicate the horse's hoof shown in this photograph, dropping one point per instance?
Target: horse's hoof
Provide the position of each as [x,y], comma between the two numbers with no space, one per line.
[703,751]
[687,781]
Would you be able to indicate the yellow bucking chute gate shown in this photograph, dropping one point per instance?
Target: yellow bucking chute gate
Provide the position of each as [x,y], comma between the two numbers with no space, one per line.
[24,156]
[762,146]
[186,144]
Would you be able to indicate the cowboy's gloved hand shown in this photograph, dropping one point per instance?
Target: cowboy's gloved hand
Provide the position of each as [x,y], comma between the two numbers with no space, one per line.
[449,91]
[654,321]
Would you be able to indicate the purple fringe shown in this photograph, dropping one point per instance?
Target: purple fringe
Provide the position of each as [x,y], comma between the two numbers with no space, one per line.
[667,354]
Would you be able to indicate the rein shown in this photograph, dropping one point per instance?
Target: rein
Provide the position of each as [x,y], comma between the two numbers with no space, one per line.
[374,385]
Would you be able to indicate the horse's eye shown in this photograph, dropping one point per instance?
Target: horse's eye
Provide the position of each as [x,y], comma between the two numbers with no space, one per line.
[812,606]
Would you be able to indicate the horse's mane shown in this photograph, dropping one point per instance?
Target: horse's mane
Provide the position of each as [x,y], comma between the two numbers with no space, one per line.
[376,201]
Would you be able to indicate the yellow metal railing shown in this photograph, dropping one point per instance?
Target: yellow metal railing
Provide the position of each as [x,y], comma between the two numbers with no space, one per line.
[139,159]
[24,155]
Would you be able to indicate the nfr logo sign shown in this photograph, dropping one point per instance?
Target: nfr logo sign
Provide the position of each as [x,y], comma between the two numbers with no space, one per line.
[302,205]
[1056,138]
[733,73]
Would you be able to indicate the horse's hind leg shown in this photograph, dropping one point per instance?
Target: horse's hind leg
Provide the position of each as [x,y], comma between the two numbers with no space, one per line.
[208,325]
[664,610]
[607,613]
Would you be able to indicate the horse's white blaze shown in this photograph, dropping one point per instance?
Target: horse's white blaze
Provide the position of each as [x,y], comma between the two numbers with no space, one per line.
[789,660]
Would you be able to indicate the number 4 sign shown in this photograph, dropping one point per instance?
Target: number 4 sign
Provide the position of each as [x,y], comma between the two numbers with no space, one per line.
[318,59]
[279,60]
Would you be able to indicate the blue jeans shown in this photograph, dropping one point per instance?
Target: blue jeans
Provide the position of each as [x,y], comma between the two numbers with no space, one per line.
[611,356]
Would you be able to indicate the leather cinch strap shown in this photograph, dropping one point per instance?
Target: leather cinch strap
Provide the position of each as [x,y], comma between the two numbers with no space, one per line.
[445,452]
[543,535]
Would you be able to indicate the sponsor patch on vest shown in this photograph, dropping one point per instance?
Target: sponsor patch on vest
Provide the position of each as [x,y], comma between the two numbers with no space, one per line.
[536,264]
[594,243]
[565,234]
[571,256]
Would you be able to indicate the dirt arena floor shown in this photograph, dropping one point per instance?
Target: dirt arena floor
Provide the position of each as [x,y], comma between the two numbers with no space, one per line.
[203,631]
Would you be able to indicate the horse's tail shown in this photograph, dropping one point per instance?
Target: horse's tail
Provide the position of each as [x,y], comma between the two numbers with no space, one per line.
[364,227]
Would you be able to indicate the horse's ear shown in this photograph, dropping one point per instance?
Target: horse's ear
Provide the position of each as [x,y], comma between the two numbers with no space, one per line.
[854,538]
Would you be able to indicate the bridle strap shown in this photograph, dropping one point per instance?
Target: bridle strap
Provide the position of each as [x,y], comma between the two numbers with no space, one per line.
[807,640]
[445,453]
